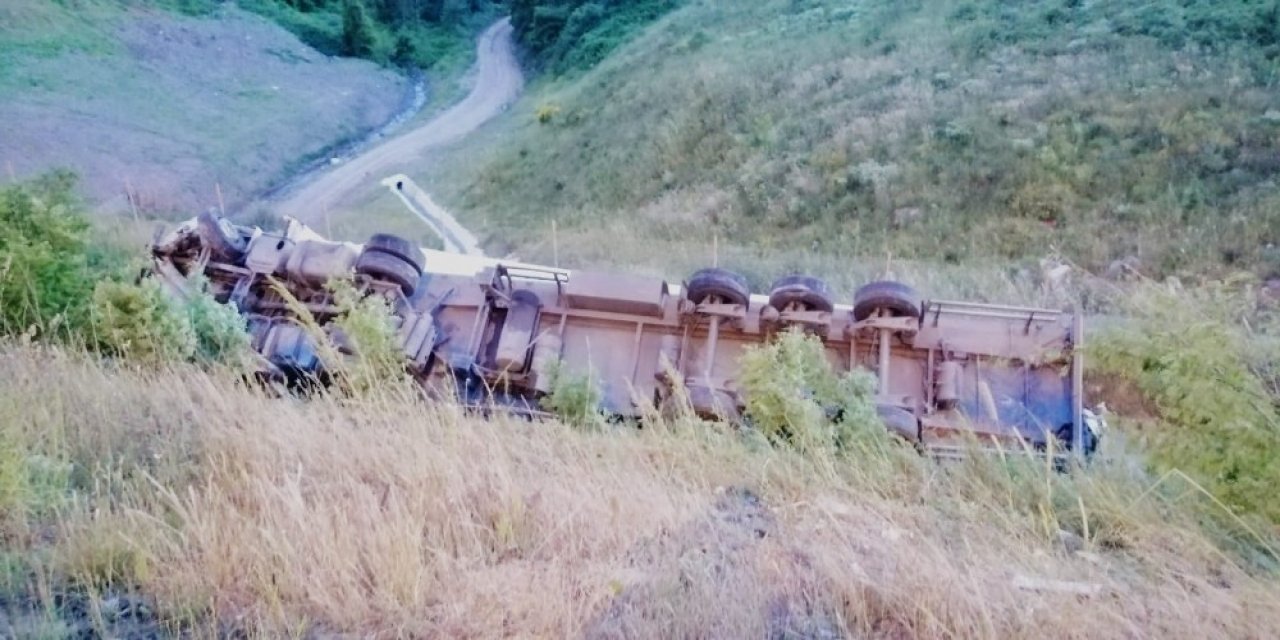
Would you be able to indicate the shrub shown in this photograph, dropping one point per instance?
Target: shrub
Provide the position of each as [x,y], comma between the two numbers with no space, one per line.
[1189,352]
[358,36]
[220,332]
[575,399]
[793,396]
[142,322]
[547,112]
[46,275]
[365,331]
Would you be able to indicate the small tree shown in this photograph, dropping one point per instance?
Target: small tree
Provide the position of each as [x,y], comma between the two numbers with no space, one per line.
[405,52]
[358,37]
[793,396]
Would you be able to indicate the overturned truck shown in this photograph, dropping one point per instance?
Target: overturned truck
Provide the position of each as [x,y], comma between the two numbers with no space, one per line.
[496,333]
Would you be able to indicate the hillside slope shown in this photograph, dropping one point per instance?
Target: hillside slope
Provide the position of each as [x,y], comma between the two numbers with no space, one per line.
[169,108]
[951,132]
[213,510]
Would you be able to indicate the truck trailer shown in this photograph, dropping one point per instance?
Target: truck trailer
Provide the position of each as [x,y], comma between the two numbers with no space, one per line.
[496,333]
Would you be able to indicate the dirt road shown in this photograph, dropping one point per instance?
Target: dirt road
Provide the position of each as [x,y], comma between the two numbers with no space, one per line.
[498,81]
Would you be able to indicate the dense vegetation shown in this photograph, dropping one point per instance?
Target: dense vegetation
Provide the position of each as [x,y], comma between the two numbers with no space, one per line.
[420,33]
[957,132]
[412,33]
[59,285]
[47,265]
[1206,364]
[573,35]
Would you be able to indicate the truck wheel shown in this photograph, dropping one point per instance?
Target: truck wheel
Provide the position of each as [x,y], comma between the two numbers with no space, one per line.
[899,299]
[730,287]
[383,266]
[811,293]
[398,247]
[220,236]
[899,422]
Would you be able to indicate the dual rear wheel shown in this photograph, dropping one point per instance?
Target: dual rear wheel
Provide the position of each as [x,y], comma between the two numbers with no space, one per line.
[392,259]
[805,293]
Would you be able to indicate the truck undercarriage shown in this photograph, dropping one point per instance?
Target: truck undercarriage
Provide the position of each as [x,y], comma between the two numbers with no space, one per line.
[497,332]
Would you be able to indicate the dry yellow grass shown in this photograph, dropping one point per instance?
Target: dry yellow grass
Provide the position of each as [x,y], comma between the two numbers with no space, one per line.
[392,517]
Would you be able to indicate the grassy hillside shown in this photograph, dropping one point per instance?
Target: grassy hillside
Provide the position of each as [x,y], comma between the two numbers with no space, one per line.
[214,510]
[146,486]
[159,110]
[824,132]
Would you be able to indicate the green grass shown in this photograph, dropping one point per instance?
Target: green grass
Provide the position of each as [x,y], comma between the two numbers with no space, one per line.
[43,29]
[1206,361]
[939,131]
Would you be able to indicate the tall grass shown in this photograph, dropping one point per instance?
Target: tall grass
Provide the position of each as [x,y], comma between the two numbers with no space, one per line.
[386,515]
[1205,360]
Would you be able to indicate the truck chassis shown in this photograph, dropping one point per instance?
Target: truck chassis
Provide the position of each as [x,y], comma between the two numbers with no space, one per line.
[496,332]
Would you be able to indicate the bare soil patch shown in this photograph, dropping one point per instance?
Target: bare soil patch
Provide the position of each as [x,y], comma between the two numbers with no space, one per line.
[168,110]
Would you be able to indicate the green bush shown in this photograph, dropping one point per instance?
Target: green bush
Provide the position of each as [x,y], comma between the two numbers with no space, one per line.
[410,33]
[1195,357]
[220,331]
[575,399]
[142,322]
[365,332]
[47,271]
[793,396]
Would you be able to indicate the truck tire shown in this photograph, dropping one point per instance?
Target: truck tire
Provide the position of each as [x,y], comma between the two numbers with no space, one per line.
[899,299]
[730,287]
[811,293]
[899,422]
[398,247]
[220,236]
[383,266]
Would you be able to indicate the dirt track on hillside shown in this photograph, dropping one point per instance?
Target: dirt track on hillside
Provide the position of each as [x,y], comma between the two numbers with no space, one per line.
[497,83]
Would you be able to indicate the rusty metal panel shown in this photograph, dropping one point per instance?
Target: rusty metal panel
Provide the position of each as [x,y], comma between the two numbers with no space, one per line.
[517,333]
[268,254]
[616,293]
[961,369]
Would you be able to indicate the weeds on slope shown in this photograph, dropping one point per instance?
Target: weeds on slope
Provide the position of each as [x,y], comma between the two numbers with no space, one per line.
[1205,360]
[233,510]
